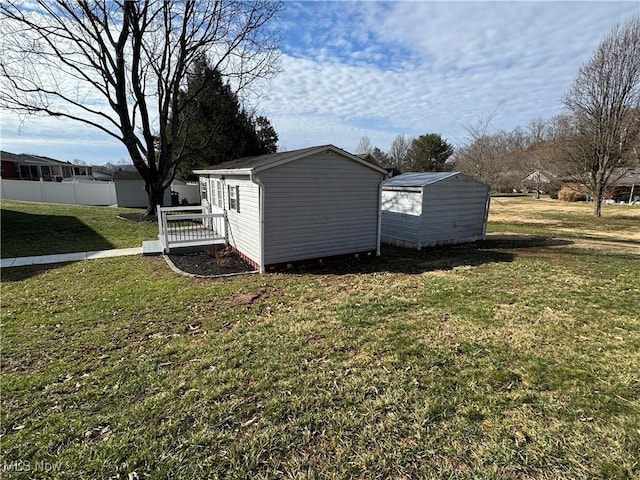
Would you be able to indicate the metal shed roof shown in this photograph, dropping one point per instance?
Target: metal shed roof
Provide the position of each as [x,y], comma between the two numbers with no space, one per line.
[417,179]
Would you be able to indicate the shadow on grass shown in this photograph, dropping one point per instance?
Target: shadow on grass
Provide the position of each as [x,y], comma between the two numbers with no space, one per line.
[441,258]
[517,241]
[17,274]
[27,234]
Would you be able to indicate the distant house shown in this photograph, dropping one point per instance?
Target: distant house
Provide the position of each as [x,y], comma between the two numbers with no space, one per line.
[34,167]
[541,181]
[426,209]
[624,187]
[304,206]
[391,171]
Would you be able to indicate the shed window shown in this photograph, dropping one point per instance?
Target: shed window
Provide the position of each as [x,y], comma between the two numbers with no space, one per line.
[234,198]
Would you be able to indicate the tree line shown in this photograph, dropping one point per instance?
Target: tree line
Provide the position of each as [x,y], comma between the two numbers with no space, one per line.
[164,70]
[425,153]
[593,143]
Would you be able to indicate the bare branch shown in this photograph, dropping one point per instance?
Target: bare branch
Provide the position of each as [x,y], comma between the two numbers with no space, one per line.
[80,60]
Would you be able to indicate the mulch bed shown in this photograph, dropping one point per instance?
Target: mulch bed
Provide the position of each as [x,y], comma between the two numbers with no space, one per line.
[210,262]
[207,262]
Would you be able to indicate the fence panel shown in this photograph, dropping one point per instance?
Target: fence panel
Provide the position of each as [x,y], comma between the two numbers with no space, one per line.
[73,193]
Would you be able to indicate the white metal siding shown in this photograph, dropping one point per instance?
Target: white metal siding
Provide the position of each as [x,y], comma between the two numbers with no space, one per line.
[319,206]
[401,211]
[402,201]
[453,211]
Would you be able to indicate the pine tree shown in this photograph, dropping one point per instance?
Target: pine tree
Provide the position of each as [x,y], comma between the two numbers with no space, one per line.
[220,129]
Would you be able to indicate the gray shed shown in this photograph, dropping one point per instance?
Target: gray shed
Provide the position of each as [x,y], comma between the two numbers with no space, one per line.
[426,209]
[130,192]
[301,206]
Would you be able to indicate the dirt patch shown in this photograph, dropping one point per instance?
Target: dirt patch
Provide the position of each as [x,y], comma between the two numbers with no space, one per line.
[211,262]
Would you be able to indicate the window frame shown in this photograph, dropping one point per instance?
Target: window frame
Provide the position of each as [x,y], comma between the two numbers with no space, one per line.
[234,197]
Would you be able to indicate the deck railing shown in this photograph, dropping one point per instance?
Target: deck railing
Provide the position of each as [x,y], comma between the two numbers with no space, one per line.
[190,226]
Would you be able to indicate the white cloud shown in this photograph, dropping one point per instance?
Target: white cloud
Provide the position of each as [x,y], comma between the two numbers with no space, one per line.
[453,62]
[379,69]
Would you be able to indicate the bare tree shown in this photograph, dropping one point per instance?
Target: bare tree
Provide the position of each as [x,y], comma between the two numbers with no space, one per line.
[119,66]
[399,151]
[365,146]
[604,105]
[483,158]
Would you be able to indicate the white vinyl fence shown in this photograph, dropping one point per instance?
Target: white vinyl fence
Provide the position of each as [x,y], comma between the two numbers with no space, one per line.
[75,193]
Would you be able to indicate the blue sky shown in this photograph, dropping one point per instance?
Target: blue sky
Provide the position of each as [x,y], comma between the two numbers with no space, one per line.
[378,69]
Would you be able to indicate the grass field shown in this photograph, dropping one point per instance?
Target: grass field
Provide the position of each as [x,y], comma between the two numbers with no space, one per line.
[30,228]
[570,220]
[516,358]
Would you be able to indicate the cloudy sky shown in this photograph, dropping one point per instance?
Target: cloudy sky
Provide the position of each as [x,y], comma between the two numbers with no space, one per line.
[377,69]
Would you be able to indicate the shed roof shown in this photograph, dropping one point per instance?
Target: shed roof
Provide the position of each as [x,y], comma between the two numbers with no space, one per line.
[418,179]
[264,162]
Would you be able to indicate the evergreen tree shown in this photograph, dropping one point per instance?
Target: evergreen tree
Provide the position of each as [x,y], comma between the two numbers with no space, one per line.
[428,153]
[220,129]
[267,136]
[381,157]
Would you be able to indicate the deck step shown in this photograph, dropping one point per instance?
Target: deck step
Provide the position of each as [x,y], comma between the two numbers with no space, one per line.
[152,247]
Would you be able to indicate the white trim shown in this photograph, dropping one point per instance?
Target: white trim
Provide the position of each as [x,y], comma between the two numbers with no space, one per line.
[260,185]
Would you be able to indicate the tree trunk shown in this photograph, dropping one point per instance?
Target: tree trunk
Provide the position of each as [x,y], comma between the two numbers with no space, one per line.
[597,206]
[598,196]
[155,196]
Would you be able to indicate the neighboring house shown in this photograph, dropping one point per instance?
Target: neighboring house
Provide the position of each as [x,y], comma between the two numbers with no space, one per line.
[391,171]
[426,209]
[540,181]
[304,206]
[130,192]
[34,167]
[624,187]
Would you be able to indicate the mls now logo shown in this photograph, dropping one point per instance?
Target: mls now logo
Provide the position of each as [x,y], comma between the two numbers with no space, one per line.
[28,466]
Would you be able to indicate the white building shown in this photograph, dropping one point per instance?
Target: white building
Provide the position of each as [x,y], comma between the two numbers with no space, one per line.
[426,209]
[305,206]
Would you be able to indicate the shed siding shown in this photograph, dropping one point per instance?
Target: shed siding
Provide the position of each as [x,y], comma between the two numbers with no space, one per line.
[319,206]
[244,226]
[453,211]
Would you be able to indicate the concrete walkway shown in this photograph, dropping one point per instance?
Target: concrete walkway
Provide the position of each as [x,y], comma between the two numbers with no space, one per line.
[68,257]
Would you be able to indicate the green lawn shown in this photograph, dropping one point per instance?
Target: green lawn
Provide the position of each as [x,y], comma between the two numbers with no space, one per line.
[30,228]
[512,358]
[571,220]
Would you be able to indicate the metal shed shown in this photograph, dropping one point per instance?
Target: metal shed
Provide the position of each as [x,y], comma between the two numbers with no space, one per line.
[303,206]
[427,209]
